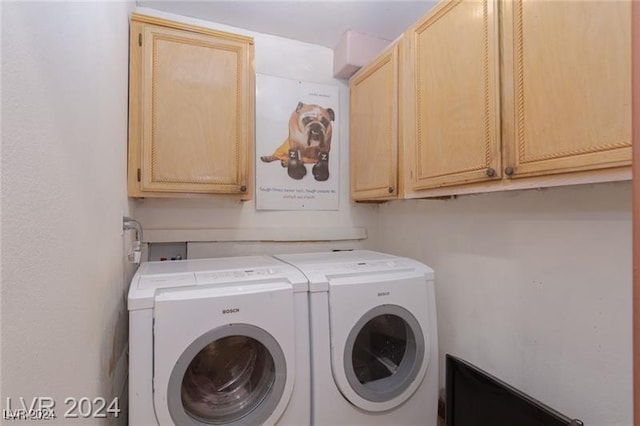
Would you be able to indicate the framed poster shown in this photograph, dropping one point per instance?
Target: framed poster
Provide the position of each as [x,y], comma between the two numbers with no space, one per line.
[297,145]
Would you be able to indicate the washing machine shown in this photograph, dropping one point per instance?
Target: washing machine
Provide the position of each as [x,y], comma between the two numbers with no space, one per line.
[219,341]
[374,345]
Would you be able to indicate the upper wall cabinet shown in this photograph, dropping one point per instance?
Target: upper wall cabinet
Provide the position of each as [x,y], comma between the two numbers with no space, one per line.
[567,86]
[191,102]
[553,107]
[452,133]
[374,129]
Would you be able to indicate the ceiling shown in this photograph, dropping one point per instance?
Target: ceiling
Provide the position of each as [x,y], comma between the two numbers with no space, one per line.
[316,22]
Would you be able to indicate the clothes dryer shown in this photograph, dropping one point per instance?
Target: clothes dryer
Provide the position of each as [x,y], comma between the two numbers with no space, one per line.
[219,341]
[374,340]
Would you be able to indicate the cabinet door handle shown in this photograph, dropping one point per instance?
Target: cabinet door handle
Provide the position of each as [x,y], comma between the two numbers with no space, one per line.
[390,190]
[491,172]
[243,188]
[509,171]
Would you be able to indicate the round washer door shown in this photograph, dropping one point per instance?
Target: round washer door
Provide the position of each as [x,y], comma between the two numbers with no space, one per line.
[233,375]
[384,358]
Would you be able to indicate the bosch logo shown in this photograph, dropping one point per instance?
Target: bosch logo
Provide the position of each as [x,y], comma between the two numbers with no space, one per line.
[230,311]
[384,293]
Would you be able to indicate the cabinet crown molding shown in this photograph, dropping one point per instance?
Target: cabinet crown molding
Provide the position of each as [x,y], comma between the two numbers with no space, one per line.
[147,19]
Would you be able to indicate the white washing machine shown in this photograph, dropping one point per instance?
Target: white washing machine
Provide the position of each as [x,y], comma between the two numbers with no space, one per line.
[374,345]
[219,341]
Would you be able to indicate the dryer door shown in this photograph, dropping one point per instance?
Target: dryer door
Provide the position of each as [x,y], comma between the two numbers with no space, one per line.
[223,359]
[383,353]
[380,348]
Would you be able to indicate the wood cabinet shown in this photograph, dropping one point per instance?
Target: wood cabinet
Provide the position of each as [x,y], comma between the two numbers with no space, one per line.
[567,86]
[374,129]
[452,132]
[191,103]
[553,107]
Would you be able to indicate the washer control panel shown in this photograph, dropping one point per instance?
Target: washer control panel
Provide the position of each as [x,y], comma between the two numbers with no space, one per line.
[167,280]
[237,275]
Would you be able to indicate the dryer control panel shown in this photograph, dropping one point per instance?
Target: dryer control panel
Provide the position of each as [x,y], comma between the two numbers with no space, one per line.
[372,266]
[321,268]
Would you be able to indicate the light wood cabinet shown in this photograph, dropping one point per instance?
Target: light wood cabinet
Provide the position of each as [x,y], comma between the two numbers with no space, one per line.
[374,129]
[191,108]
[452,125]
[552,108]
[567,86]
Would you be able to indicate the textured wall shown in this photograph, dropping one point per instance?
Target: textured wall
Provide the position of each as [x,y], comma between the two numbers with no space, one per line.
[534,287]
[64,135]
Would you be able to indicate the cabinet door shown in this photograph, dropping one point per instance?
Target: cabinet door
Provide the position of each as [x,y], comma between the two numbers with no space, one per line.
[374,129]
[196,110]
[452,121]
[567,85]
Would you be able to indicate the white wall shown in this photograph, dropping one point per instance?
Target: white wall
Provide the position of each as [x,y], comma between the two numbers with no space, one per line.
[64,137]
[283,58]
[534,287]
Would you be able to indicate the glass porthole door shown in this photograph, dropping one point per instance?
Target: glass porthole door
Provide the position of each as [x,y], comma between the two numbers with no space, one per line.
[384,353]
[229,376]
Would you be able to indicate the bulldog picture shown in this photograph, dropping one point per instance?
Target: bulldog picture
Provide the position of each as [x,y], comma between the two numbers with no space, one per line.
[309,142]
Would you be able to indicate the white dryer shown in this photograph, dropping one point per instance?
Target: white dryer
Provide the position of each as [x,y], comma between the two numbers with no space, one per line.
[219,341]
[374,345]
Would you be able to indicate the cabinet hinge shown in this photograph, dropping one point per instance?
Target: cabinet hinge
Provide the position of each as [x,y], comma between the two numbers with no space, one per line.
[139,39]
[139,175]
